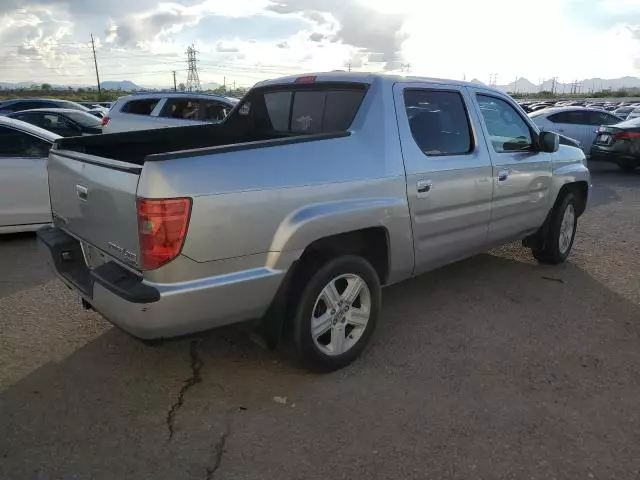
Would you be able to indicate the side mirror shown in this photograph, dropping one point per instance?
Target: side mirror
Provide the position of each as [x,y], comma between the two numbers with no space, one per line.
[549,142]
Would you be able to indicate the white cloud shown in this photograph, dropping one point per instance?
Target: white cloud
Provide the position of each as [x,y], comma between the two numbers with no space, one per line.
[571,39]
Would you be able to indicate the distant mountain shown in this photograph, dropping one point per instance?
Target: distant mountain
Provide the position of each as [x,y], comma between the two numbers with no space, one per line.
[119,85]
[210,86]
[522,85]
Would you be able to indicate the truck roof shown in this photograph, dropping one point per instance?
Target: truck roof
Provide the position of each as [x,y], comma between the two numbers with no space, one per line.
[369,77]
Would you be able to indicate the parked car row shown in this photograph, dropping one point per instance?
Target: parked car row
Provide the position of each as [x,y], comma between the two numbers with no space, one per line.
[602,135]
[623,110]
[132,112]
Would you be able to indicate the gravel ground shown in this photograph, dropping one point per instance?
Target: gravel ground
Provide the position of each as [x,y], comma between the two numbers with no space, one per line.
[490,368]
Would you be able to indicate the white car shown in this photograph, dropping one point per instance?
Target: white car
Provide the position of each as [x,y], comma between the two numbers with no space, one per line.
[576,122]
[24,190]
[635,113]
[159,110]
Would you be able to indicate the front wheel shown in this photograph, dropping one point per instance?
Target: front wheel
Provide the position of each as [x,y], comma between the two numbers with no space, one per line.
[555,240]
[336,313]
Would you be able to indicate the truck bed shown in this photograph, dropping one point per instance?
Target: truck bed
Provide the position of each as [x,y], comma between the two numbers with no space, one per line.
[134,147]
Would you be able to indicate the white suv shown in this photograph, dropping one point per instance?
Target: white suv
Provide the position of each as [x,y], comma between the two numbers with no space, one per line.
[161,109]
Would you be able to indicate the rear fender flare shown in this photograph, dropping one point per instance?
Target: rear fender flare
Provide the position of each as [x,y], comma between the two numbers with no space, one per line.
[313,222]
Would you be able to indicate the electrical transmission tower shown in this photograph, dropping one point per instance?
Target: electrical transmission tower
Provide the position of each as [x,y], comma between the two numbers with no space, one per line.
[193,81]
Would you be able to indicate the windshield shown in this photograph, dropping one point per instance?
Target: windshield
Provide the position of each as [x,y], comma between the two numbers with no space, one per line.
[83,119]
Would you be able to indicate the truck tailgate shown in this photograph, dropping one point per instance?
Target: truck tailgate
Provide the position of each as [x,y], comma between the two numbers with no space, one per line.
[94,199]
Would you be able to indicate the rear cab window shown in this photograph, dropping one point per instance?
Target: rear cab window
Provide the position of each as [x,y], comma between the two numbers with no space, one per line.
[324,107]
[140,107]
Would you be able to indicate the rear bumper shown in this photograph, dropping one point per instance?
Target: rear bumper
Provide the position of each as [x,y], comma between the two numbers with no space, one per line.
[614,155]
[155,311]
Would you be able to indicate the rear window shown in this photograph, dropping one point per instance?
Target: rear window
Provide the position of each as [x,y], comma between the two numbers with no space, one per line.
[195,109]
[312,111]
[140,107]
[84,119]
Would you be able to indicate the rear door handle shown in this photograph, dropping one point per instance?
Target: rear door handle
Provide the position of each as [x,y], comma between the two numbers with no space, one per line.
[424,186]
[503,175]
[82,192]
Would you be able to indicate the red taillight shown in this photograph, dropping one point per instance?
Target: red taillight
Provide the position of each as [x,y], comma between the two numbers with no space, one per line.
[627,135]
[307,79]
[162,227]
[105,120]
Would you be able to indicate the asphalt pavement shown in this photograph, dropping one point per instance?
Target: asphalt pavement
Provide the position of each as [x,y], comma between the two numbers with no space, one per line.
[492,368]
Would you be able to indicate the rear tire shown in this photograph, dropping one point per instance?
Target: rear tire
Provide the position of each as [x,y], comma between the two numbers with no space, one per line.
[336,313]
[555,239]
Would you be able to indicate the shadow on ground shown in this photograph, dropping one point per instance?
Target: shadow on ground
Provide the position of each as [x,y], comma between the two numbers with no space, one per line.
[17,251]
[489,368]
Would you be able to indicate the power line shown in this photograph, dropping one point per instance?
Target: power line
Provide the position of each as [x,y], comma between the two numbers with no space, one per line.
[143,72]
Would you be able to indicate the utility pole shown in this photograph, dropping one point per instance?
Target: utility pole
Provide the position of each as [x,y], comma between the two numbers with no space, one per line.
[175,85]
[95,62]
[349,66]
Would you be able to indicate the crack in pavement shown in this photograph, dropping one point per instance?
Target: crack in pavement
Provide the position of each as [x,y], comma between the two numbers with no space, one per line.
[195,378]
[218,450]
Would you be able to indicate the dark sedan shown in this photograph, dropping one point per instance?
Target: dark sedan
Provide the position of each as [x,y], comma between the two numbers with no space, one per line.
[21,104]
[619,143]
[66,122]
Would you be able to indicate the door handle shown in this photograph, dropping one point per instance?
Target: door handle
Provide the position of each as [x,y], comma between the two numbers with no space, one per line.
[424,186]
[503,175]
[82,192]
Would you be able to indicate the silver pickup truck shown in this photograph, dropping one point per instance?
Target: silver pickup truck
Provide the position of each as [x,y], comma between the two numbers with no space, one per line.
[294,211]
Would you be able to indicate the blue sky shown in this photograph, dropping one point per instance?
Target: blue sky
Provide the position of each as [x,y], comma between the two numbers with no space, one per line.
[244,41]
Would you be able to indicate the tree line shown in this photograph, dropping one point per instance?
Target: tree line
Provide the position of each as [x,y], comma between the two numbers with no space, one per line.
[92,95]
